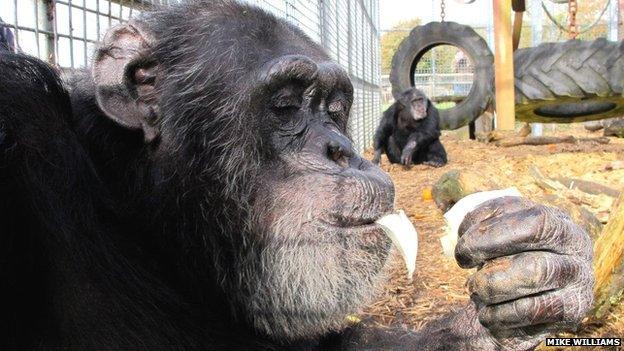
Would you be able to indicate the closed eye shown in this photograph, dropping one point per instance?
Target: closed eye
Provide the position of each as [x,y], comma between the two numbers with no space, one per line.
[336,107]
[288,103]
[287,100]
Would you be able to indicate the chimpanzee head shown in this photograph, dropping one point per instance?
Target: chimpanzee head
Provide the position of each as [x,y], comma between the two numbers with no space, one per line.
[253,184]
[412,105]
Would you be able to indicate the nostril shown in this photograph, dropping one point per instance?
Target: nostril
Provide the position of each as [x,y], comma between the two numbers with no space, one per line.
[338,153]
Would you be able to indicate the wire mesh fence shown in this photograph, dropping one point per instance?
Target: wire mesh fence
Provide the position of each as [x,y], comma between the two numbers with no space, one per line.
[445,74]
[442,74]
[63,32]
[349,31]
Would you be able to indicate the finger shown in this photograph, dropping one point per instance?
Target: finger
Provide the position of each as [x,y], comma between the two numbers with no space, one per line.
[528,273]
[538,228]
[560,307]
[408,159]
[493,208]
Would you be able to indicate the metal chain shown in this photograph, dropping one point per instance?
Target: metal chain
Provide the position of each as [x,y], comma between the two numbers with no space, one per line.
[579,31]
[572,25]
[442,12]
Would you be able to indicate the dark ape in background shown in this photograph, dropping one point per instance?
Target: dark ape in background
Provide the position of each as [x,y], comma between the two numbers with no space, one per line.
[409,132]
[195,190]
[7,39]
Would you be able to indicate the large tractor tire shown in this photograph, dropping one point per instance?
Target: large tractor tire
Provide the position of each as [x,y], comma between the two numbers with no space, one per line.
[573,81]
[423,38]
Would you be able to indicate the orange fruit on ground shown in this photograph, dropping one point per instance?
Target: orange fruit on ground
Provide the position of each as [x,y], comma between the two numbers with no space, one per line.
[427,194]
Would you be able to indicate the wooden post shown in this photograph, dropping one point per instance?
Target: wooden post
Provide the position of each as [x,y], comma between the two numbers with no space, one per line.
[518,6]
[503,66]
[609,261]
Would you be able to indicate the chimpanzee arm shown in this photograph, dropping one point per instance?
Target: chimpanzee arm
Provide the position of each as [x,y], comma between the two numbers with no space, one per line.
[534,276]
[459,330]
[383,132]
[428,132]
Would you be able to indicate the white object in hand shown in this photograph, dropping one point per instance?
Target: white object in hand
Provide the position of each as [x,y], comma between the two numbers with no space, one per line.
[455,216]
[403,235]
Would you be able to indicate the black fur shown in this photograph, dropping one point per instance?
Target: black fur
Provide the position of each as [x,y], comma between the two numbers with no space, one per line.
[398,127]
[111,241]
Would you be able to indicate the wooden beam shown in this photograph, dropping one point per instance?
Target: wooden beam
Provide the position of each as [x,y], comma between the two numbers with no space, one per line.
[503,66]
[608,261]
[517,29]
[518,6]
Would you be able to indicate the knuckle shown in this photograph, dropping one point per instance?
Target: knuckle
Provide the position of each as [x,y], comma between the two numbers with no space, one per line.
[486,317]
[578,302]
[463,253]
[479,285]
[568,235]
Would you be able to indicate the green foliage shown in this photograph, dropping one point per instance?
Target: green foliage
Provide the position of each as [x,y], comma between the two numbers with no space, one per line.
[444,105]
[390,42]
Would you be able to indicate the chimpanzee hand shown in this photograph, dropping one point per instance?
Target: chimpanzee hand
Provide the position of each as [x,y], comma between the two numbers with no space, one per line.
[377,158]
[408,153]
[534,271]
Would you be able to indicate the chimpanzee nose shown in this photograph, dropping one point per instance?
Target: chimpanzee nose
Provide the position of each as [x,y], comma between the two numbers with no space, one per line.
[340,151]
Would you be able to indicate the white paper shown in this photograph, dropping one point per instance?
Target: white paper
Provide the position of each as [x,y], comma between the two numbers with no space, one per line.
[455,216]
[404,236]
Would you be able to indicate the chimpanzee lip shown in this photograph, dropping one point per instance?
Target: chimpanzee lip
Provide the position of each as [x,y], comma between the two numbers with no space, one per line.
[351,222]
[343,222]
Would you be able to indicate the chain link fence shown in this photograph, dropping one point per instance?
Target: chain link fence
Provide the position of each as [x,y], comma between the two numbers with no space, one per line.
[445,74]
[349,31]
[63,32]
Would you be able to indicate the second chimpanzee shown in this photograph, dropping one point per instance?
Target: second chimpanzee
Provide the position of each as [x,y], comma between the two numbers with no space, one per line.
[409,132]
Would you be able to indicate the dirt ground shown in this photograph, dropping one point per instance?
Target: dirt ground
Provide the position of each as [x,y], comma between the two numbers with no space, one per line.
[439,284]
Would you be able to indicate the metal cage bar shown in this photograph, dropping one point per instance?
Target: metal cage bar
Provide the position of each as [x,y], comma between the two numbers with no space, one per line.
[348,30]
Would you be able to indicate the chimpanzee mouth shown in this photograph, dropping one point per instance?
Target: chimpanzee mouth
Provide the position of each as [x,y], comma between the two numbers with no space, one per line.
[350,223]
[358,226]
[364,228]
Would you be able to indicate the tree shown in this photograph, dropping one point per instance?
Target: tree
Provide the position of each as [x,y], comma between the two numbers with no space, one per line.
[390,42]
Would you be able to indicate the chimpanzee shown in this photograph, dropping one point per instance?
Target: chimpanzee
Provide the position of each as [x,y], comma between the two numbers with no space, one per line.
[7,39]
[409,132]
[196,189]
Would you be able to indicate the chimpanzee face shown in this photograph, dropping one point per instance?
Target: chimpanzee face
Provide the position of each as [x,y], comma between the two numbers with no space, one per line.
[413,104]
[249,122]
[319,254]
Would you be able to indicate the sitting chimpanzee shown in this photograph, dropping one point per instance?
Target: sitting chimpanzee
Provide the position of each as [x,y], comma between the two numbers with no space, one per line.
[195,190]
[409,132]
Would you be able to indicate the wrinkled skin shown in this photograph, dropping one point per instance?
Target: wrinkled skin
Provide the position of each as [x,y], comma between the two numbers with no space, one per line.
[534,269]
[200,194]
[409,132]
[533,277]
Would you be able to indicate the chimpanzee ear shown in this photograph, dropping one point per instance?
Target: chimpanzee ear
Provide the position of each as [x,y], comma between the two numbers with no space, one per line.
[125,75]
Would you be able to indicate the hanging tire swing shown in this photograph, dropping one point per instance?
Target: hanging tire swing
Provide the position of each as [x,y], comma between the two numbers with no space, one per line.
[573,81]
[422,39]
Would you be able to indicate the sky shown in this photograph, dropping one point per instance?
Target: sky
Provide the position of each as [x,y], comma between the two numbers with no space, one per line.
[395,11]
